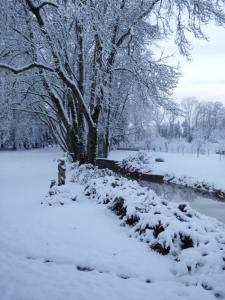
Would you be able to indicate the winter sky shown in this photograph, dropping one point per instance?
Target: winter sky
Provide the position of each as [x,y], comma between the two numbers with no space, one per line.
[204,76]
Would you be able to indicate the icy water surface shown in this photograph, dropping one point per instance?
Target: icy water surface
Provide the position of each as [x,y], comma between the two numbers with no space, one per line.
[204,203]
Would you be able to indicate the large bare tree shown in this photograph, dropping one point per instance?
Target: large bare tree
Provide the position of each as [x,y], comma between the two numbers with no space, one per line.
[75,57]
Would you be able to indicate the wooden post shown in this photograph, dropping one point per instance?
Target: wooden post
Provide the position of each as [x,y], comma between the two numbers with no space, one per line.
[61,172]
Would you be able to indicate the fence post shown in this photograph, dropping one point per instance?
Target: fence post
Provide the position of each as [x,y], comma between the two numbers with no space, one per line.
[61,172]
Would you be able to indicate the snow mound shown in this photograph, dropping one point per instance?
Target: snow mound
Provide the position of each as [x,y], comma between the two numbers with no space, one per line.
[59,195]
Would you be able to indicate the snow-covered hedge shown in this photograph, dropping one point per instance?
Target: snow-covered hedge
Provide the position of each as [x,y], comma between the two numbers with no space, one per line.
[168,228]
[195,242]
[83,174]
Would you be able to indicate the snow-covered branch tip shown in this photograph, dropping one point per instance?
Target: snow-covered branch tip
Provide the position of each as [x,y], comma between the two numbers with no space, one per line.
[25,68]
[143,15]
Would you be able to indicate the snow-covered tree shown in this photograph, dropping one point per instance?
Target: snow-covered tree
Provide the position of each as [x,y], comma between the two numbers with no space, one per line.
[73,58]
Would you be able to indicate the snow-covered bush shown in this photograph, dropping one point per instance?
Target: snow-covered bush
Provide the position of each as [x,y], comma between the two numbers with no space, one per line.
[59,195]
[195,242]
[84,173]
[168,228]
[141,161]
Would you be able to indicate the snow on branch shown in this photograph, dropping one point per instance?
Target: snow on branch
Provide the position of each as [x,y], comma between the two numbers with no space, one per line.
[25,68]
[140,17]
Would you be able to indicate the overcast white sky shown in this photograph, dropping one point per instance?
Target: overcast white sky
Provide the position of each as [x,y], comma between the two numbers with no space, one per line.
[204,76]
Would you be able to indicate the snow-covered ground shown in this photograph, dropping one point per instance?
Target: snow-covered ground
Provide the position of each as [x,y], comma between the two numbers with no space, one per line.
[76,251]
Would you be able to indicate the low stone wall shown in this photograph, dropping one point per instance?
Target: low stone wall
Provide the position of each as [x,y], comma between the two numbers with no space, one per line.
[114,166]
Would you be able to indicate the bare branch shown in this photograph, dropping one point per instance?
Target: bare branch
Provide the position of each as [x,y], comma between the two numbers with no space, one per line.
[35,112]
[25,68]
[143,15]
[47,3]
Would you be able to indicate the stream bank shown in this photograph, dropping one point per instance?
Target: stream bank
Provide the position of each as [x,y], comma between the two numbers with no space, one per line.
[204,201]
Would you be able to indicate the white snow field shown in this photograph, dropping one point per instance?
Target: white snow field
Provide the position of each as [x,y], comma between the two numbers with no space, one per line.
[76,251]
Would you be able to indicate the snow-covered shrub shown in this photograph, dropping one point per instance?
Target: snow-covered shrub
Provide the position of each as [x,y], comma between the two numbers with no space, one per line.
[59,195]
[196,242]
[84,173]
[141,161]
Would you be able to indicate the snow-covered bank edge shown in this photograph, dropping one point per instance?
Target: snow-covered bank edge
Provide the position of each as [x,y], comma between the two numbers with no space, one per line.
[198,185]
[142,162]
[194,242]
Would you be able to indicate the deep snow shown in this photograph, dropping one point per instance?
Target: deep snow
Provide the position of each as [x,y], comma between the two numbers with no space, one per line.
[44,251]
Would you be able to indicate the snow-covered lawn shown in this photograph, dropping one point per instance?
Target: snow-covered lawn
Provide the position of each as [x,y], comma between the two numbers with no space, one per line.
[77,250]
[208,168]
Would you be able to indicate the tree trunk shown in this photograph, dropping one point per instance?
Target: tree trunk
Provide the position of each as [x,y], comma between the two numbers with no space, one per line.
[92,145]
[107,135]
[75,147]
[106,145]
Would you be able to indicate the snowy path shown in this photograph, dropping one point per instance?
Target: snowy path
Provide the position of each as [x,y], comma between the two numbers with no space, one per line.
[75,251]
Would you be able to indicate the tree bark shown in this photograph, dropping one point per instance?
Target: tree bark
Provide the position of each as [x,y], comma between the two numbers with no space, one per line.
[92,145]
[106,143]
